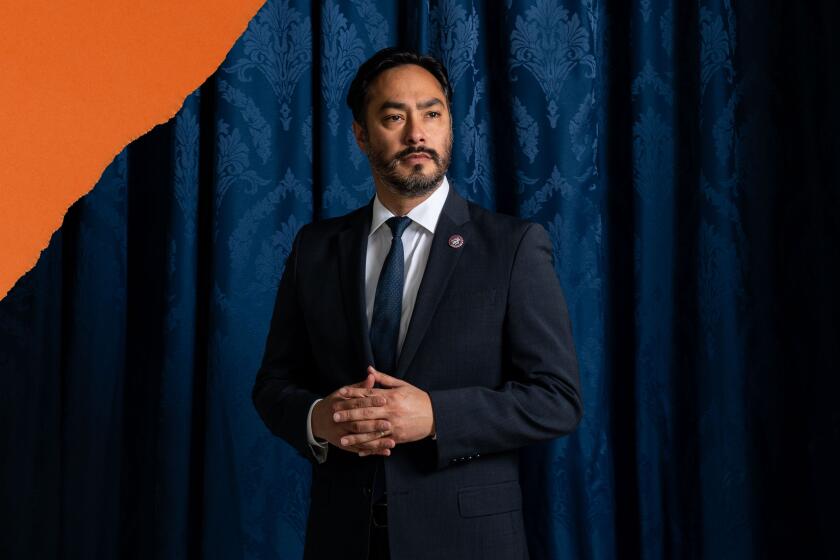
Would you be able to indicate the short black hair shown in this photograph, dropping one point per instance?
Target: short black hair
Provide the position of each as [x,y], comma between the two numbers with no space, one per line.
[388,58]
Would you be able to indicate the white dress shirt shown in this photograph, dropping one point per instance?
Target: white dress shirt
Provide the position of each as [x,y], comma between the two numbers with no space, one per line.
[417,241]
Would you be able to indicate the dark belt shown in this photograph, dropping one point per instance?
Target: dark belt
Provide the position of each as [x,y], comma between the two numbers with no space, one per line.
[379,514]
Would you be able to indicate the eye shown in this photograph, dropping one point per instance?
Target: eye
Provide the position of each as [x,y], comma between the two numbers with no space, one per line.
[433,114]
[393,118]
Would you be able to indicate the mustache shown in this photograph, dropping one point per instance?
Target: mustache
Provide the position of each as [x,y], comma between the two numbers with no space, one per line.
[433,155]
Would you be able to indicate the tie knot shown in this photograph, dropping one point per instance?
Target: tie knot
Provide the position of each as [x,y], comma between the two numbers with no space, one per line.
[398,225]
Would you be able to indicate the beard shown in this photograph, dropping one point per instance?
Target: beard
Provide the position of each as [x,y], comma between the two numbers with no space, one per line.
[416,183]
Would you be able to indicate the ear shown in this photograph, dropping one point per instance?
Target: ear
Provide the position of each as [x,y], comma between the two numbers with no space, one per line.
[359,135]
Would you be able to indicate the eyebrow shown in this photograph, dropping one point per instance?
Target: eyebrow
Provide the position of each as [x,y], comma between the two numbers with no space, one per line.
[404,107]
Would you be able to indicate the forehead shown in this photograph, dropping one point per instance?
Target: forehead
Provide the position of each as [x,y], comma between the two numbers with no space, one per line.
[406,82]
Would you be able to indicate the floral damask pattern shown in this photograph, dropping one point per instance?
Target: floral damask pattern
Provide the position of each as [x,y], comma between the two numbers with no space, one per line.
[342,51]
[454,37]
[527,130]
[278,44]
[550,44]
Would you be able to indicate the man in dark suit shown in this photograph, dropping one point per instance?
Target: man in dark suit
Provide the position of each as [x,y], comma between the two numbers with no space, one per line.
[415,345]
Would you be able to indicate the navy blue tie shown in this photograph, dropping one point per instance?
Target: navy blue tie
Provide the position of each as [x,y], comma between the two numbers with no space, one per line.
[387,303]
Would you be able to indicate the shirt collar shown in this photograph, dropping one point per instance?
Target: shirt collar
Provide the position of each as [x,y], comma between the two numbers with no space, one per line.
[425,214]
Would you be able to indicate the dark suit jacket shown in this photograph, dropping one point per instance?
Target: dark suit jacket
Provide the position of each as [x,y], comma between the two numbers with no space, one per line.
[489,340]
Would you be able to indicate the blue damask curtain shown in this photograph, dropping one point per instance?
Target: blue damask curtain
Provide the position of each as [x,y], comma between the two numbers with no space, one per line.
[683,158]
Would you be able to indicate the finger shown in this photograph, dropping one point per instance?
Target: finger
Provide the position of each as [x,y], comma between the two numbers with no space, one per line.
[386,380]
[383,452]
[377,445]
[359,392]
[357,439]
[367,382]
[365,427]
[368,413]
[361,402]
[384,442]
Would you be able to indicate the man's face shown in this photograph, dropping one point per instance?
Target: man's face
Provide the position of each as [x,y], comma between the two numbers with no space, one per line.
[408,138]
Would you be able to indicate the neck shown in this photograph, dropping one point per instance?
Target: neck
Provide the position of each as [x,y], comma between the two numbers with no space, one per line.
[398,203]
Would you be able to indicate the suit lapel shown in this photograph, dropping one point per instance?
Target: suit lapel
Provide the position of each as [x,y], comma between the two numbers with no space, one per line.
[352,250]
[439,267]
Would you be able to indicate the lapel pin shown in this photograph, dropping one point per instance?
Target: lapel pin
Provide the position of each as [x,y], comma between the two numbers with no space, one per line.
[456,241]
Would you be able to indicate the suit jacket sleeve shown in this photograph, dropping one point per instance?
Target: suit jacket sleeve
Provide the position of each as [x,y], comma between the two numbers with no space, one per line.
[281,394]
[540,399]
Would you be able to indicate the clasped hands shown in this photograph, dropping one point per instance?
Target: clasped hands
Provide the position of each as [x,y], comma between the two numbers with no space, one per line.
[368,420]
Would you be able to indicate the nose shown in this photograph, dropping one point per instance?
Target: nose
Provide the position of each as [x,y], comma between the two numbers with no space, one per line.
[414,134]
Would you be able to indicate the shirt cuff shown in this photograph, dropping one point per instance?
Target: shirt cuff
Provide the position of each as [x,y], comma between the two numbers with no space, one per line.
[319,447]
